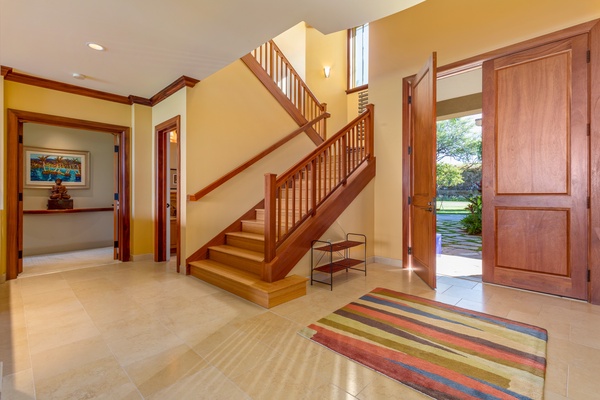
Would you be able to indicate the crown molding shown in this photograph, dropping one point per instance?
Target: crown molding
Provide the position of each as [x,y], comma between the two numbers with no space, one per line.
[10,75]
[184,81]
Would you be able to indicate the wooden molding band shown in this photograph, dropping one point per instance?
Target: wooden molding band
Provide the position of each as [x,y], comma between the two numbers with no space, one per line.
[68,211]
[10,75]
[357,89]
[173,88]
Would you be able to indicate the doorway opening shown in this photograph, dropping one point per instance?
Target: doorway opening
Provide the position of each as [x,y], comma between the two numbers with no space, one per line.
[76,229]
[459,173]
[119,192]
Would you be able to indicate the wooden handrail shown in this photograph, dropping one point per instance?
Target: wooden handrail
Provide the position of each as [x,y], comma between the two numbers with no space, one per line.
[206,190]
[295,195]
[278,67]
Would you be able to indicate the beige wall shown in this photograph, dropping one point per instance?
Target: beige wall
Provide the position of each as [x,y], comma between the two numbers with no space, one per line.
[458,29]
[293,45]
[142,139]
[232,110]
[328,50]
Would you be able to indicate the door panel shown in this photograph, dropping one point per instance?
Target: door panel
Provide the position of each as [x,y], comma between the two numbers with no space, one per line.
[423,178]
[535,175]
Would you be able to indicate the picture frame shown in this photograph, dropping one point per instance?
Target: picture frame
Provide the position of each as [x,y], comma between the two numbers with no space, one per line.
[43,166]
[173,179]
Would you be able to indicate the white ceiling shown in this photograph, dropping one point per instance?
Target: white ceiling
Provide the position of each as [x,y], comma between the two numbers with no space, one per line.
[151,43]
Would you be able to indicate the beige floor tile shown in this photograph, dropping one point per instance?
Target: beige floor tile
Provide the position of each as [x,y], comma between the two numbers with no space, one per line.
[205,384]
[61,359]
[161,371]
[143,345]
[74,333]
[18,386]
[385,388]
[103,378]
[329,392]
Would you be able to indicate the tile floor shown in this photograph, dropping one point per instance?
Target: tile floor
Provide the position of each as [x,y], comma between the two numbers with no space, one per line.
[140,331]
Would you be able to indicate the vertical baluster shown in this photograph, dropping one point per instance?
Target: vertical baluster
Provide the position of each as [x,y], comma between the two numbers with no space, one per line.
[270,239]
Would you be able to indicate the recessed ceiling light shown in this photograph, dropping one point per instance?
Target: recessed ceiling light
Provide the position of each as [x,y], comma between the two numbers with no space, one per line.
[95,46]
[78,76]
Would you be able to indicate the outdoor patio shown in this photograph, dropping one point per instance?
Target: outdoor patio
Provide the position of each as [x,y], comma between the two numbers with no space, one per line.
[461,253]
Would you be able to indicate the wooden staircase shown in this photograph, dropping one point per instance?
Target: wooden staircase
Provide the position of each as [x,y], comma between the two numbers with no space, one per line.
[236,266]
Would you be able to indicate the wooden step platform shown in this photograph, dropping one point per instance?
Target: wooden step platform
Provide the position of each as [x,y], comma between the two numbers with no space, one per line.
[248,285]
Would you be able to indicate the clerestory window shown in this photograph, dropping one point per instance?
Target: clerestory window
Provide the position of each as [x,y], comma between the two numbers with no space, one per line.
[358,57]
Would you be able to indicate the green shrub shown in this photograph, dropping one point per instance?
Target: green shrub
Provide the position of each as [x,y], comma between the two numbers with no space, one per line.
[472,222]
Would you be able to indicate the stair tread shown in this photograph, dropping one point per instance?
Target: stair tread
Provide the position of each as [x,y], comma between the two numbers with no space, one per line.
[247,278]
[248,235]
[238,251]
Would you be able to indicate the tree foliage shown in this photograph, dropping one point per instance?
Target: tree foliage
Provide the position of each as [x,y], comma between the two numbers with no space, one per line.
[456,140]
[449,175]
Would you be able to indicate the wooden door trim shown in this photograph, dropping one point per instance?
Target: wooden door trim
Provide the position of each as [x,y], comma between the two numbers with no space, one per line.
[594,254]
[14,189]
[161,223]
[406,214]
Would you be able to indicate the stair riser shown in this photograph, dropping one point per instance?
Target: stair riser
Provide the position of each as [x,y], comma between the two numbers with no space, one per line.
[263,299]
[235,261]
[232,286]
[246,243]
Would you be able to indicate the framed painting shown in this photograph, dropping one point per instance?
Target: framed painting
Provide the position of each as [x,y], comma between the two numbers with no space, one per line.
[173,178]
[44,166]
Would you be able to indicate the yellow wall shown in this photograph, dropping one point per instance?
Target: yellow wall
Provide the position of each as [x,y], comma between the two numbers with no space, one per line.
[232,110]
[458,29]
[328,50]
[293,45]
[142,139]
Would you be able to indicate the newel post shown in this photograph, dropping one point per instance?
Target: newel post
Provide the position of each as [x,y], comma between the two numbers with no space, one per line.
[270,216]
[370,131]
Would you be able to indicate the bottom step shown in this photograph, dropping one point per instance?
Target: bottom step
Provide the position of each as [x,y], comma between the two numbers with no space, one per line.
[248,285]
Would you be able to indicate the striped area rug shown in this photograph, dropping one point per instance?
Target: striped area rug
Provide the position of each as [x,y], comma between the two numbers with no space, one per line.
[443,351]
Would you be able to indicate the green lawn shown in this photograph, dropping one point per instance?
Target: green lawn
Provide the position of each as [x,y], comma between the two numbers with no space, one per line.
[452,207]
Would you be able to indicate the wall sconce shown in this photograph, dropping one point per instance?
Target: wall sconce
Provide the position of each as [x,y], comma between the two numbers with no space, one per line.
[326,71]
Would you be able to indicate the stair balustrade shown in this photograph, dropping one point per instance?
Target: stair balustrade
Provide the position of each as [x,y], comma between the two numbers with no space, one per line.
[295,195]
[277,66]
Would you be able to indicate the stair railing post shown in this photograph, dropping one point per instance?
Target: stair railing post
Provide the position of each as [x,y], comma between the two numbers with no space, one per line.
[270,216]
[324,123]
[345,155]
[313,185]
[370,131]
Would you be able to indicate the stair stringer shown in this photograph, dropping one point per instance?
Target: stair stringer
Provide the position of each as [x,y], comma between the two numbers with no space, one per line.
[291,251]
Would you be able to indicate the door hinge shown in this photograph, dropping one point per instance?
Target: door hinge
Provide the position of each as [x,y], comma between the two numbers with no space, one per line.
[589,129]
[589,275]
[409,200]
[116,197]
[20,139]
[409,150]
[116,244]
[589,56]
[409,250]
[589,202]
[20,197]
[409,99]
[20,254]
[116,148]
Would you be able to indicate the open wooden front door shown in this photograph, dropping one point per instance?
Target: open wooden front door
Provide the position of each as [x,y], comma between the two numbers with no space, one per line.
[536,169]
[423,175]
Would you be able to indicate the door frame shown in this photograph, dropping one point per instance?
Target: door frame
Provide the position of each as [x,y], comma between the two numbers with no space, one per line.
[593,29]
[162,248]
[14,181]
